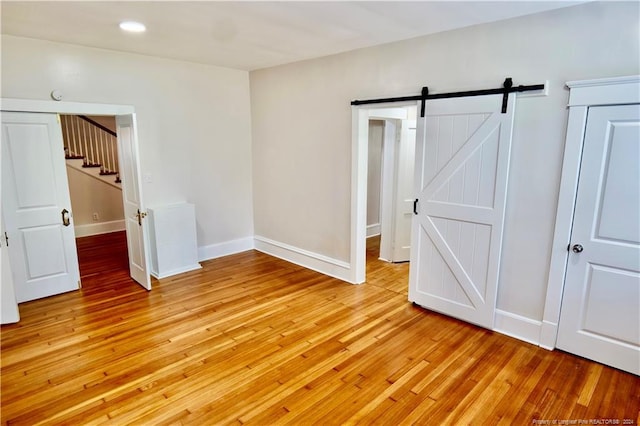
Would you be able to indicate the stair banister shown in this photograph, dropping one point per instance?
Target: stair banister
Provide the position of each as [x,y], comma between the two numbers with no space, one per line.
[92,142]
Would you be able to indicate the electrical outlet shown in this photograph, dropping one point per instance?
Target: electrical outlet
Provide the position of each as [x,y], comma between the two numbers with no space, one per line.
[96,217]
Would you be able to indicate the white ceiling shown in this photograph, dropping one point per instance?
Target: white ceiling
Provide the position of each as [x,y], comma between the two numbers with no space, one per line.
[251,35]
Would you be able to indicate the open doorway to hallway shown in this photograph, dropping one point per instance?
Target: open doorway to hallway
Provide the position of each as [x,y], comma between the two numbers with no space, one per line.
[391,147]
[91,156]
[46,179]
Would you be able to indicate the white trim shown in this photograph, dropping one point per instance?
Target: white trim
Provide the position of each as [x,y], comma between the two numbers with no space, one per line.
[548,333]
[585,93]
[517,326]
[176,271]
[314,261]
[99,228]
[604,91]
[398,113]
[577,84]
[36,105]
[564,219]
[359,168]
[373,230]
[213,251]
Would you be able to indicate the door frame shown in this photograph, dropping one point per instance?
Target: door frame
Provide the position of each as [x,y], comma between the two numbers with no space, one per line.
[583,94]
[359,168]
[55,107]
[393,118]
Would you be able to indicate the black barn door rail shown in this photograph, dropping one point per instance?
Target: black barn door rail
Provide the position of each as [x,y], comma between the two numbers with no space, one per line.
[507,87]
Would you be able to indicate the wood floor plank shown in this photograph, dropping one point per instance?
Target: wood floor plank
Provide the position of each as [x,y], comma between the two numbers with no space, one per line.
[369,409]
[250,339]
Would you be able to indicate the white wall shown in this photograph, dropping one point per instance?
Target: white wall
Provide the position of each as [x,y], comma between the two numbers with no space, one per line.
[374,172]
[193,122]
[302,171]
[90,195]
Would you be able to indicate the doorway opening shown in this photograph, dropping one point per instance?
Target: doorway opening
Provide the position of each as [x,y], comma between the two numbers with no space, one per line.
[136,229]
[385,143]
[95,189]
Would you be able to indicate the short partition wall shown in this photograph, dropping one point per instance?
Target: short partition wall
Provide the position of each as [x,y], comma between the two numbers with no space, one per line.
[174,247]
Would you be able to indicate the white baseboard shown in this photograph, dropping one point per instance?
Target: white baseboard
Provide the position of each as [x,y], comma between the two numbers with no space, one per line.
[517,326]
[314,261]
[226,248]
[373,230]
[177,271]
[98,228]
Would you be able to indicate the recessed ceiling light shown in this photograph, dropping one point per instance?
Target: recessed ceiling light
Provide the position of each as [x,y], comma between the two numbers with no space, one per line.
[132,26]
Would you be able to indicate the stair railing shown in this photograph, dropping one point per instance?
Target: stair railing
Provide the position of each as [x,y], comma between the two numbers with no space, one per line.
[94,144]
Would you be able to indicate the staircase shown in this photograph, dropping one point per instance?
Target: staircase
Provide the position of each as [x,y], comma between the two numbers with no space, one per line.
[91,148]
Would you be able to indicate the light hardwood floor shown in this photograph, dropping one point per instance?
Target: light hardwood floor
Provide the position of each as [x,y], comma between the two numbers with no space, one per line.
[253,339]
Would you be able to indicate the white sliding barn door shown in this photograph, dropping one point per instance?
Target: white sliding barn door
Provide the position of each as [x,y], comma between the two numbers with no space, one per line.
[600,316]
[462,163]
[134,213]
[37,207]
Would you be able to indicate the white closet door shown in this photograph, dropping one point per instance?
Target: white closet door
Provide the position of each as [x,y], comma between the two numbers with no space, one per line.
[8,305]
[134,214]
[462,163]
[600,316]
[37,207]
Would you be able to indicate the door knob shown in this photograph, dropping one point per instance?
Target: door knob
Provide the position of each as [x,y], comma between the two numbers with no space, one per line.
[65,217]
[140,215]
[577,248]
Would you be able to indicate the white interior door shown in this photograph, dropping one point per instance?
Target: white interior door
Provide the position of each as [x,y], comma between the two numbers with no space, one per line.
[404,174]
[462,161]
[8,305]
[374,177]
[37,207]
[134,212]
[390,143]
[600,315]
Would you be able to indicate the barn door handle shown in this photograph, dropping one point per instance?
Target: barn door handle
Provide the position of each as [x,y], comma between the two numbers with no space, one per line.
[415,206]
[65,217]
